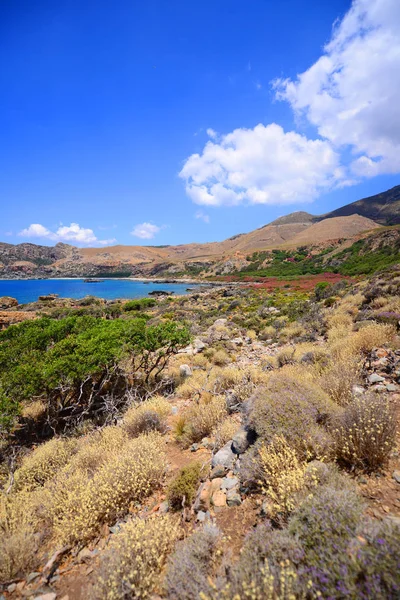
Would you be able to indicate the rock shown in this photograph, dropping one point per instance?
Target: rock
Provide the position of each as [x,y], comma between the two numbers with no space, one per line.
[32,576]
[207,443]
[379,388]
[219,499]
[8,302]
[233,498]
[202,516]
[49,596]
[358,390]
[194,447]
[220,322]
[174,410]
[50,297]
[224,456]
[199,345]
[115,529]
[216,485]
[238,341]
[375,378]
[11,588]
[85,554]
[202,501]
[185,371]
[53,562]
[242,440]
[396,476]
[217,471]
[160,293]
[228,483]
[164,507]
[391,387]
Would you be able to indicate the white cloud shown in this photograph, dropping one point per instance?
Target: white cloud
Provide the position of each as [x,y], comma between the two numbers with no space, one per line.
[263,165]
[202,216]
[212,133]
[72,234]
[145,231]
[351,94]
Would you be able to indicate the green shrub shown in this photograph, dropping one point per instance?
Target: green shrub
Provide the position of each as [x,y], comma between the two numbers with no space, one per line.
[183,487]
[137,305]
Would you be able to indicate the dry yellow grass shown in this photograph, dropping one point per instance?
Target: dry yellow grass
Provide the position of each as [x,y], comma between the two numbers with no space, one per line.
[226,430]
[136,419]
[200,419]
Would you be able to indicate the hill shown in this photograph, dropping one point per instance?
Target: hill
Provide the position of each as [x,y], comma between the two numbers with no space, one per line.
[296,229]
[382,208]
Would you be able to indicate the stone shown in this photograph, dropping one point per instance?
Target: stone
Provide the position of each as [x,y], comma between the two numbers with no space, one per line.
[233,498]
[375,378]
[227,483]
[194,447]
[220,322]
[202,501]
[396,476]
[391,387]
[85,554]
[216,484]
[199,345]
[238,341]
[242,440]
[174,410]
[224,456]
[185,371]
[8,302]
[49,596]
[32,576]
[11,588]
[379,388]
[217,471]
[234,304]
[219,499]
[202,516]
[358,390]
[115,529]
[164,507]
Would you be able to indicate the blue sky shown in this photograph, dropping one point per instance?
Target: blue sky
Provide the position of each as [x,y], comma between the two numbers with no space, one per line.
[160,122]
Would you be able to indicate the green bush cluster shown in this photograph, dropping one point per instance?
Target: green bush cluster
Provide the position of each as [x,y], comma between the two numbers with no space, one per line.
[183,487]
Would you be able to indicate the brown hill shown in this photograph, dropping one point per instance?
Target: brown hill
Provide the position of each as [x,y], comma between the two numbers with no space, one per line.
[333,229]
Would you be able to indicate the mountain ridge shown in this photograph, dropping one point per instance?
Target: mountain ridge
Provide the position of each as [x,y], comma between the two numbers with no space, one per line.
[296,229]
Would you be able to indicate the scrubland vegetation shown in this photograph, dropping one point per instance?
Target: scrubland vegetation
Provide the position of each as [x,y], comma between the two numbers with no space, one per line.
[229,445]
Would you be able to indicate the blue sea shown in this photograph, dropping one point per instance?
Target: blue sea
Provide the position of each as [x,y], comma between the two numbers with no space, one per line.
[28,290]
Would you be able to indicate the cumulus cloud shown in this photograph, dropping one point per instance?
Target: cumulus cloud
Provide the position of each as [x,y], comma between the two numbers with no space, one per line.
[72,234]
[350,95]
[211,133]
[264,165]
[145,231]
[202,216]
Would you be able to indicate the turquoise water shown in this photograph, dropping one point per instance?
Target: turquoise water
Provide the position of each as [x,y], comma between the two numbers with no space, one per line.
[28,290]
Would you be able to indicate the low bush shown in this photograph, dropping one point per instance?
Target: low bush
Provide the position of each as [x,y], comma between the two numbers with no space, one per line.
[324,525]
[225,431]
[338,379]
[221,358]
[191,566]
[296,410]
[266,569]
[183,487]
[148,416]
[376,552]
[80,506]
[18,553]
[365,433]
[281,476]
[200,419]
[140,304]
[133,562]
[44,463]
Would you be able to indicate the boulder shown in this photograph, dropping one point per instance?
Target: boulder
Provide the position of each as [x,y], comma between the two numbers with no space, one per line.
[233,498]
[8,302]
[185,371]
[375,378]
[218,472]
[229,483]
[202,501]
[242,440]
[219,499]
[224,456]
[199,345]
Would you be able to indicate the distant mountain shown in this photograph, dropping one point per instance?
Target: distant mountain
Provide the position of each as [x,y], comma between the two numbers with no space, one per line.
[293,230]
[383,208]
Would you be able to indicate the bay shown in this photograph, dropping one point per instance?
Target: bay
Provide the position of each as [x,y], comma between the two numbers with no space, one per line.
[28,290]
